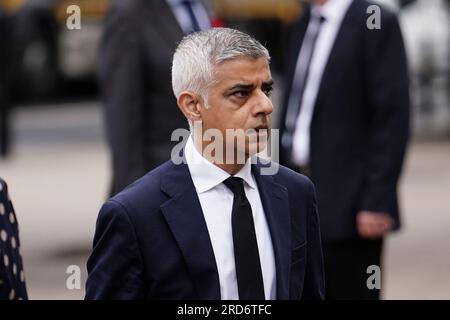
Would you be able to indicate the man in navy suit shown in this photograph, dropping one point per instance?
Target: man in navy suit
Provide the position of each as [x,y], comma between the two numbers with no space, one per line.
[216,225]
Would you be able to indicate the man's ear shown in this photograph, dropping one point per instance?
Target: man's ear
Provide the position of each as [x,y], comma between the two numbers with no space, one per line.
[189,103]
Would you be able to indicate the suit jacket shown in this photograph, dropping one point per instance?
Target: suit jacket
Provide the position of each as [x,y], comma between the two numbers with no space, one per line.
[139,40]
[151,240]
[360,123]
[12,280]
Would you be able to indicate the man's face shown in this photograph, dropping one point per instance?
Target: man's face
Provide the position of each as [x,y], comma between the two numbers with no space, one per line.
[240,99]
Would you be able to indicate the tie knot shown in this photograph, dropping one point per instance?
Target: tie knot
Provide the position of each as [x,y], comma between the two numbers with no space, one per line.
[236,185]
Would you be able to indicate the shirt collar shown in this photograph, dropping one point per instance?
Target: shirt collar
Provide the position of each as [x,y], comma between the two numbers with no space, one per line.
[205,175]
[332,9]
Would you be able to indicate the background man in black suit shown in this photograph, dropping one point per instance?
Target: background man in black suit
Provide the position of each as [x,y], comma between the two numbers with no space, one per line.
[346,123]
[140,111]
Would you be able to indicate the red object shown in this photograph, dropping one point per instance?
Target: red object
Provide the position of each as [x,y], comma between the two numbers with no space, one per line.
[217,23]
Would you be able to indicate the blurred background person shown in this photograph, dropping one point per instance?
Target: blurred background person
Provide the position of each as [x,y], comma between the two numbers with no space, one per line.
[346,124]
[5,45]
[12,279]
[135,58]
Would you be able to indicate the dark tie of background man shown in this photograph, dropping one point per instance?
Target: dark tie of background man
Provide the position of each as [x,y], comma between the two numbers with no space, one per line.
[248,265]
[187,4]
[301,77]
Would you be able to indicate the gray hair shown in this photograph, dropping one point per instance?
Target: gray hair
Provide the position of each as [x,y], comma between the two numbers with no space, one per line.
[198,53]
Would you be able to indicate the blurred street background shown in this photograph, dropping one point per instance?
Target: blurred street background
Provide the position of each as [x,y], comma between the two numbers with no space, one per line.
[58,168]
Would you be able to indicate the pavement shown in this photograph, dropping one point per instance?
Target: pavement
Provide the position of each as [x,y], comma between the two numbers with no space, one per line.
[58,177]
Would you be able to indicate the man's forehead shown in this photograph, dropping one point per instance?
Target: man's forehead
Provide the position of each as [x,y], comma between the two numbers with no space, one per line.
[248,62]
[244,70]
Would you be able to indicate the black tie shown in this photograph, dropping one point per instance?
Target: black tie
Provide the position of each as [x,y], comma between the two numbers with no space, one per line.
[246,255]
[194,23]
[300,78]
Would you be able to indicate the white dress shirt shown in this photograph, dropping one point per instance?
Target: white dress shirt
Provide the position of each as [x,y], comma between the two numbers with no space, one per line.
[216,201]
[183,19]
[333,11]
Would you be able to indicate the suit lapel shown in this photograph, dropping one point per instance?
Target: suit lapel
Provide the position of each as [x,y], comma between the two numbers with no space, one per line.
[185,218]
[274,198]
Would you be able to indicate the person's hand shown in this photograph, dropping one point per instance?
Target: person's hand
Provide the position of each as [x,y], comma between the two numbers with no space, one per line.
[373,225]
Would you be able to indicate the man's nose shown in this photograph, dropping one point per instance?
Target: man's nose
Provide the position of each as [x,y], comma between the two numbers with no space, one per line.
[263,104]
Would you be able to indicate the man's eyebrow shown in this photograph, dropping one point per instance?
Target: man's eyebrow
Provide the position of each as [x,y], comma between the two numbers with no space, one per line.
[242,86]
[248,86]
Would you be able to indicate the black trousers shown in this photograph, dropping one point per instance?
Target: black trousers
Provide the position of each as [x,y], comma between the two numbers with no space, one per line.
[346,264]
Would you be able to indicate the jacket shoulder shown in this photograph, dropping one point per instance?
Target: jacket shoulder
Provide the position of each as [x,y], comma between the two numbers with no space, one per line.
[293,180]
[125,15]
[144,195]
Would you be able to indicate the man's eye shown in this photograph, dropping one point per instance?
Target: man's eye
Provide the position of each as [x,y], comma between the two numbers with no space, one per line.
[241,94]
[268,91]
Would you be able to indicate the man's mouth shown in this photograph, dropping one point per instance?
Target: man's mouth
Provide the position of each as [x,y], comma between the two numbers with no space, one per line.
[261,128]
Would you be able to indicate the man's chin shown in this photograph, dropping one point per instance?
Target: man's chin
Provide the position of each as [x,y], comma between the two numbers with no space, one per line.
[257,147]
